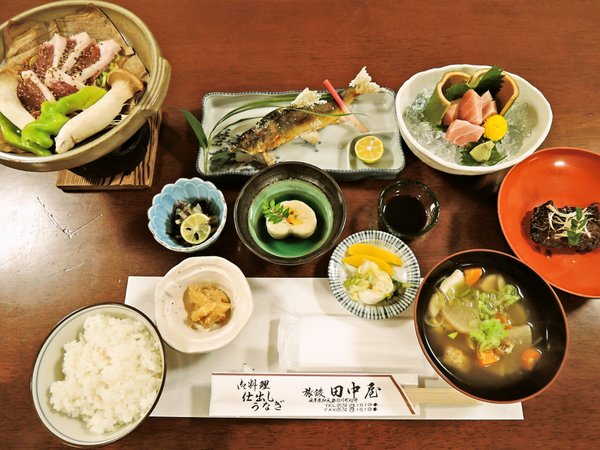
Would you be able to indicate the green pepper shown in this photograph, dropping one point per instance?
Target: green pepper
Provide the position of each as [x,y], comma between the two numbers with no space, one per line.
[54,115]
[12,137]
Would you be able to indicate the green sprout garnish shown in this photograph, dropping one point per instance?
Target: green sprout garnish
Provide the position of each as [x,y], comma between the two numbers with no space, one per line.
[572,225]
[274,212]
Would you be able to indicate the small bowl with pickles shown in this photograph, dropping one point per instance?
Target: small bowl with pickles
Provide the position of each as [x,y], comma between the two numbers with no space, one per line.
[290,213]
[188,215]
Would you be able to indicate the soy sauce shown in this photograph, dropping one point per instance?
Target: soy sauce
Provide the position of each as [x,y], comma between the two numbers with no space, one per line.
[405,214]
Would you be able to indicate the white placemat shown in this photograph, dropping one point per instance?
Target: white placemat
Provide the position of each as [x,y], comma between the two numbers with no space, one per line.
[298,326]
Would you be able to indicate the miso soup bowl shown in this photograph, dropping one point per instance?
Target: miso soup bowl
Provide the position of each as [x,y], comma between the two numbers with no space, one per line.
[545,312]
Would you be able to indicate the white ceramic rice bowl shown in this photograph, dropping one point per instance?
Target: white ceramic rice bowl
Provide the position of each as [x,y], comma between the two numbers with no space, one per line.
[48,369]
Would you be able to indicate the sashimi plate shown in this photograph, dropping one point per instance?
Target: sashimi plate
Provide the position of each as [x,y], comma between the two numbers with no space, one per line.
[538,113]
[333,153]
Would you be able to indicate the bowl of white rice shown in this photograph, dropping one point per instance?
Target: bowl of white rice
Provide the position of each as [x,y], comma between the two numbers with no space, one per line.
[98,374]
[529,121]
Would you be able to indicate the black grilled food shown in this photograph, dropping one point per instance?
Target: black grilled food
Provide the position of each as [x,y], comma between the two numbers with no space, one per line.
[563,228]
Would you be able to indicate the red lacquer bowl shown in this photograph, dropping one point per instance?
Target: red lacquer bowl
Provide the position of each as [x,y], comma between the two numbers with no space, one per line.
[568,176]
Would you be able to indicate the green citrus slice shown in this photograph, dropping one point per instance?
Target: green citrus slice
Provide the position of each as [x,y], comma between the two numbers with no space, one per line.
[195,228]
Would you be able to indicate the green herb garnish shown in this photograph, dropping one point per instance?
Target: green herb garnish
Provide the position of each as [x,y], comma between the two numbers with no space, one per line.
[490,81]
[274,212]
[489,334]
[577,227]
[572,225]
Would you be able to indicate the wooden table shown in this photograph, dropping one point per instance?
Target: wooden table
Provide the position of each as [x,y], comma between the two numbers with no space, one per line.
[61,251]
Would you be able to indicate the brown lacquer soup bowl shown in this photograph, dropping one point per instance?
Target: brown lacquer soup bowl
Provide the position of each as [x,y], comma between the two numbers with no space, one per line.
[491,326]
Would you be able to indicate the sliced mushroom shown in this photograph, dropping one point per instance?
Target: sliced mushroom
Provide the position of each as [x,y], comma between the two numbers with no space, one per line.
[10,105]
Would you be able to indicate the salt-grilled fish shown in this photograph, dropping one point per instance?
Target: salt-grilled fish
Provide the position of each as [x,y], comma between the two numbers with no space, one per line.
[283,125]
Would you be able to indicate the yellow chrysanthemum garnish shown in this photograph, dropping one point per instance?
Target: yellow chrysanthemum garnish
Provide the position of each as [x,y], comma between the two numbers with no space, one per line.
[495,127]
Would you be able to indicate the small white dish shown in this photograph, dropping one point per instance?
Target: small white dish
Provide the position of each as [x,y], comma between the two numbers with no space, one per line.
[541,115]
[48,369]
[409,273]
[171,315]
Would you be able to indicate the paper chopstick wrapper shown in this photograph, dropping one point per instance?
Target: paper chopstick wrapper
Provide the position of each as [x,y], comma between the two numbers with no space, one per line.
[315,395]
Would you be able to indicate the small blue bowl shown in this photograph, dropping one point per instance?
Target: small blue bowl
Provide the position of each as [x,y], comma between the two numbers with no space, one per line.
[188,189]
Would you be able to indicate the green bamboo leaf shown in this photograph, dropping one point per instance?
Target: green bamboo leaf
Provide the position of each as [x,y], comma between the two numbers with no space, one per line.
[197,127]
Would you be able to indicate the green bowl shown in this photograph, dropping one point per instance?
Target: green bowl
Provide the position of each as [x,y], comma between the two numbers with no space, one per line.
[290,181]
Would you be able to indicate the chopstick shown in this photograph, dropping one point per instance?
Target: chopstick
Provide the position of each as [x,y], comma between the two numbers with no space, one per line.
[344,107]
[438,396]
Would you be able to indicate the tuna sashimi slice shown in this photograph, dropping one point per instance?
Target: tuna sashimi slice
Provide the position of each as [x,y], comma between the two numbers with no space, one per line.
[460,132]
[488,106]
[469,108]
[451,114]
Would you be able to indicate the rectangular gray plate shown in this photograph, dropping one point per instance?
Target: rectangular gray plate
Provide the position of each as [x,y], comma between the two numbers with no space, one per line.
[332,154]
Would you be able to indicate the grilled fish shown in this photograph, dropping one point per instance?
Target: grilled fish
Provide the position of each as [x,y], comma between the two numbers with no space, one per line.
[283,125]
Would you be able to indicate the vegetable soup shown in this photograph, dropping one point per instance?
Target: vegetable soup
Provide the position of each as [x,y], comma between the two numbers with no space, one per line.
[480,328]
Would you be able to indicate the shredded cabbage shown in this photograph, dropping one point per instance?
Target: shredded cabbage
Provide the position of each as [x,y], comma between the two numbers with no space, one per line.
[369,284]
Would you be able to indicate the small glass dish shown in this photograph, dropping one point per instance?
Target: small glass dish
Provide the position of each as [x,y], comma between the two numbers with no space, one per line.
[408,209]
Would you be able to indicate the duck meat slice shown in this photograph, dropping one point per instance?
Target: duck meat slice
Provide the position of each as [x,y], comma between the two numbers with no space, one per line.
[32,92]
[61,83]
[75,46]
[49,55]
[95,59]
[548,228]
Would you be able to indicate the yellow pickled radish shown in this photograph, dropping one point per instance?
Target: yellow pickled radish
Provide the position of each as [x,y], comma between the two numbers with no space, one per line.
[377,252]
[358,260]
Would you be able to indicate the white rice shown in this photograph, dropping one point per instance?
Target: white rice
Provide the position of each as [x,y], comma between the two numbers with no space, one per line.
[112,373]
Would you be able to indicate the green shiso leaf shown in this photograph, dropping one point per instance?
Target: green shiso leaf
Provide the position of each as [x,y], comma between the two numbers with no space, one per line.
[456,91]
[467,160]
[490,81]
